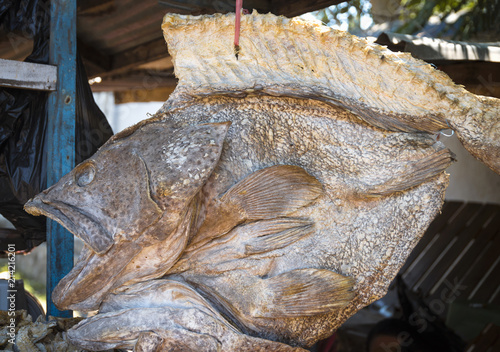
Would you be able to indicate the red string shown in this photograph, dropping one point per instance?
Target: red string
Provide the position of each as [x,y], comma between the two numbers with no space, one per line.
[239,5]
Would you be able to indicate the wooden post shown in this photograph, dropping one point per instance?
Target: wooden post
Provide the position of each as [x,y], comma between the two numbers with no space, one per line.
[61,137]
[27,75]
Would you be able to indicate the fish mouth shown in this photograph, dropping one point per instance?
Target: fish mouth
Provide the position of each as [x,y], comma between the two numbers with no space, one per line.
[76,221]
[86,285]
[99,264]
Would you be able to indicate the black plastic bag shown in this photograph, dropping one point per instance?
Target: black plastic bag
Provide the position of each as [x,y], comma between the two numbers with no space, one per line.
[23,121]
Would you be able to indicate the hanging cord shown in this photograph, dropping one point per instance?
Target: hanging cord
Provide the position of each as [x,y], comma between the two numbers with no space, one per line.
[239,5]
[441,133]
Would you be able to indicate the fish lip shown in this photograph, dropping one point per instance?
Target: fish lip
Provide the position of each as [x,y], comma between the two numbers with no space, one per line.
[66,214]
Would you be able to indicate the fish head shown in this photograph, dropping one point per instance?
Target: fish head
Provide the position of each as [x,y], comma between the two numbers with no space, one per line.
[102,199]
[132,182]
[132,193]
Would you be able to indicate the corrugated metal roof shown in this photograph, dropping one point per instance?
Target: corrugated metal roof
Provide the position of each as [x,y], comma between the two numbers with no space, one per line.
[433,49]
[127,24]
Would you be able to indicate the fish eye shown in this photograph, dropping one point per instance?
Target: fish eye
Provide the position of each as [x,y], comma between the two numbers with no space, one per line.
[85,174]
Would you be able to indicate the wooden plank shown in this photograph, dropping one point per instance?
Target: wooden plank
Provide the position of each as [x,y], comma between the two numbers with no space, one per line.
[94,7]
[488,290]
[137,81]
[61,137]
[488,338]
[143,95]
[139,55]
[291,8]
[458,250]
[449,208]
[454,278]
[478,77]
[100,65]
[478,270]
[418,272]
[197,7]
[27,75]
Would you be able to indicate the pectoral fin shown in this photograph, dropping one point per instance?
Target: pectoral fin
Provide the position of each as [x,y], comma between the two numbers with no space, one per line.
[277,233]
[302,292]
[269,193]
[273,192]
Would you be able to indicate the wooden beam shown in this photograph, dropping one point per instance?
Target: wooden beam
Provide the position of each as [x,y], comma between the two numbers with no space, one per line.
[198,7]
[135,81]
[95,7]
[95,61]
[61,137]
[142,54]
[27,75]
[143,95]
[478,77]
[291,8]
[98,64]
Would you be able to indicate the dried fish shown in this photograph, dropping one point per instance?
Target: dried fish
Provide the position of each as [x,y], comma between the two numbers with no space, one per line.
[273,195]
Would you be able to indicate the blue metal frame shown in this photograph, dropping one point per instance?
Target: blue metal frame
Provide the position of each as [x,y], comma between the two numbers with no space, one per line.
[61,137]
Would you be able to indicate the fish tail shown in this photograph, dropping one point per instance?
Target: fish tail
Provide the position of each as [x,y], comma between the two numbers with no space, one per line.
[479,131]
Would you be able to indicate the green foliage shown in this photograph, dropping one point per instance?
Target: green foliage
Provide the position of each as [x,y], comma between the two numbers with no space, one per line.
[476,18]
[347,13]
[484,17]
[32,286]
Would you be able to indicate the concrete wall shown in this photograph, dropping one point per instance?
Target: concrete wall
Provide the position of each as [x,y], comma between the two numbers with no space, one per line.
[470,180]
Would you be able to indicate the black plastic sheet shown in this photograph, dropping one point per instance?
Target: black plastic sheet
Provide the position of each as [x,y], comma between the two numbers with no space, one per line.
[23,121]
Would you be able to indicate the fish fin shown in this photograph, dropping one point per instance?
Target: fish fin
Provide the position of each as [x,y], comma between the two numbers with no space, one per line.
[415,173]
[186,161]
[391,90]
[273,192]
[278,233]
[302,292]
[178,163]
[480,132]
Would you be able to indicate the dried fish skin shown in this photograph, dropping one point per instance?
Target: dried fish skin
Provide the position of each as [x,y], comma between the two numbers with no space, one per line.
[165,315]
[366,222]
[324,179]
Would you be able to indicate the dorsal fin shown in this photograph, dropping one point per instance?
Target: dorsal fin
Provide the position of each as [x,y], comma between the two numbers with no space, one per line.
[304,59]
[414,173]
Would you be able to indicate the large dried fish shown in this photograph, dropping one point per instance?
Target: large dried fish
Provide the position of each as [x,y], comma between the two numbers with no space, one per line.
[274,194]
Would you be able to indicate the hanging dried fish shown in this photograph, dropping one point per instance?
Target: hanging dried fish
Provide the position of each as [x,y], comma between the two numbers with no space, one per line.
[272,196]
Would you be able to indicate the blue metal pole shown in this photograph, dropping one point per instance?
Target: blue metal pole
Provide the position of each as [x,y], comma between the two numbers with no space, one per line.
[61,137]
